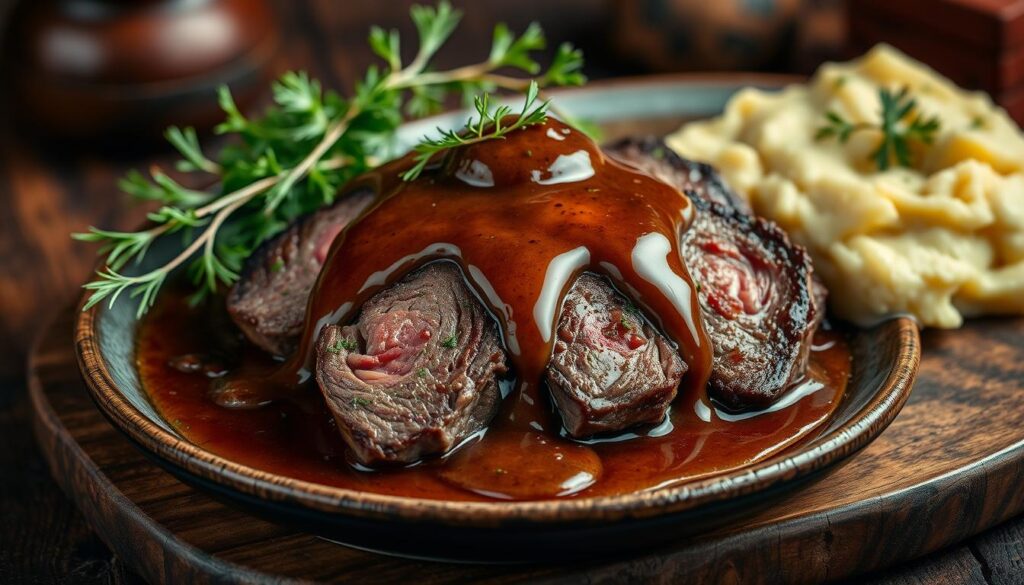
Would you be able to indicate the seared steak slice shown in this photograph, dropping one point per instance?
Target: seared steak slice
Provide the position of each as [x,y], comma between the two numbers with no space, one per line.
[269,301]
[757,296]
[610,369]
[652,156]
[417,373]
[760,301]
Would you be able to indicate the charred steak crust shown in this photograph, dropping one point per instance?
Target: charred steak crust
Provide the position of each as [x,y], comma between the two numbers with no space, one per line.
[651,155]
[417,372]
[610,369]
[269,301]
[759,297]
[762,335]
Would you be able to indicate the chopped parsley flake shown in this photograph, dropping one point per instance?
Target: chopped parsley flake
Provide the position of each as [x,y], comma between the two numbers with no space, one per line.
[359,402]
[340,344]
[278,265]
[421,372]
[451,341]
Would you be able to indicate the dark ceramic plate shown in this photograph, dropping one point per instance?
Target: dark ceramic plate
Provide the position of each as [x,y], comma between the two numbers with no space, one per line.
[885,360]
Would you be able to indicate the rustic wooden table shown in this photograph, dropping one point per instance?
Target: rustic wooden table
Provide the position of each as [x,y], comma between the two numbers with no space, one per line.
[46,193]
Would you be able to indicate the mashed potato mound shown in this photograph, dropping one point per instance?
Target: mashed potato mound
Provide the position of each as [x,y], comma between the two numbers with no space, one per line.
[940,241]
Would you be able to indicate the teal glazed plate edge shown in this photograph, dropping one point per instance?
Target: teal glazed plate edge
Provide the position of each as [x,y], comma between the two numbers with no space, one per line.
[885,360]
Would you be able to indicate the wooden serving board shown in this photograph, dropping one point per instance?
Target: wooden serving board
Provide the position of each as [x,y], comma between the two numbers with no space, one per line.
[950,466]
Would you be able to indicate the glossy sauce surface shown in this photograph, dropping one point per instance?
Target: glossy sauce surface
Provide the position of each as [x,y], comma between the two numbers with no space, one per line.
[522,218]
[180,349]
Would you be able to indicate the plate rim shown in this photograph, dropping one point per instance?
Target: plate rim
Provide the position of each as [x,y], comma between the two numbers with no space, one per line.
[863,427]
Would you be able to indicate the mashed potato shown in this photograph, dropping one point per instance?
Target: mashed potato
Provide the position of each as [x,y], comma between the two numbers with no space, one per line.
[941,240]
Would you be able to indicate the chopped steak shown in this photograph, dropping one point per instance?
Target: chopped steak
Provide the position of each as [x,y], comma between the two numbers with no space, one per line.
[760,301]
[610,369]
[417,372]
[269,301]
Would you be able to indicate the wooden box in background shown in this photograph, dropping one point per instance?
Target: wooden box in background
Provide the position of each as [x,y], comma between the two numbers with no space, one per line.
[979,44]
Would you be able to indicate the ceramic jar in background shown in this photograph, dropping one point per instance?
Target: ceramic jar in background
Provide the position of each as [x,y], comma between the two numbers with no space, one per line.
[94,69]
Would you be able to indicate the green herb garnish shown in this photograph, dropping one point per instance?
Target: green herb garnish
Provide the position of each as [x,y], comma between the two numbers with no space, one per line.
[294,158]
[421,372]
[358,402]
[450,341]
[899,126]
[277,266]
[489,125]
[340,344]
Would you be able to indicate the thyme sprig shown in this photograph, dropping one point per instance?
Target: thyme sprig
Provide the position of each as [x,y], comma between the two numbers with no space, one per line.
[900,124]
[489,125]
[295,157]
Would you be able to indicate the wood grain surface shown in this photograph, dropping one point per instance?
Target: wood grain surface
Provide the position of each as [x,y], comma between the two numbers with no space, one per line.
[47,191]
[924,484]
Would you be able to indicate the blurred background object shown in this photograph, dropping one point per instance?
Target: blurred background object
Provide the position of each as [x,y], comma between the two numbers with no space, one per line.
[673,35]
[99,71]
[728,35]
[88,68]
[979,44]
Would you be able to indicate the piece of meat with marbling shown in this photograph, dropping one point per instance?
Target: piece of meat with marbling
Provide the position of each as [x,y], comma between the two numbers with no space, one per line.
[269,301]
[416,373]
[759,298]
[610,369]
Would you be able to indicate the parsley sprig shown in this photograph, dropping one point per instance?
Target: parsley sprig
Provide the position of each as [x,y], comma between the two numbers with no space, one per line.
[900,124]
[295,157]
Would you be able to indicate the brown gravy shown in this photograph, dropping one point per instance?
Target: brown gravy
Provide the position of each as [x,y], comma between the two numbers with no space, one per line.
[522,217]
[296,436]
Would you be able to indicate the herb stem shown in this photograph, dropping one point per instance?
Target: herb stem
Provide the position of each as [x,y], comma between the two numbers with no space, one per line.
[307,146]
[244,195]
[402,80]
[218,220]
[506,82]
[333,134]
[205,240]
